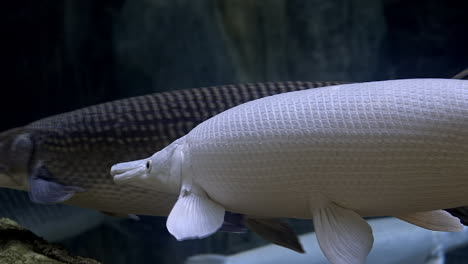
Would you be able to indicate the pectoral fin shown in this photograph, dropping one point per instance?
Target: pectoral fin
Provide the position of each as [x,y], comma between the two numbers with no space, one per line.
[438,220]
[42,189]
[275,231]
[194,216]
[343,235]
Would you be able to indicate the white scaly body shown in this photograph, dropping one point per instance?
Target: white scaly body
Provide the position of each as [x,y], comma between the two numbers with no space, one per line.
[379,148]
[332,154]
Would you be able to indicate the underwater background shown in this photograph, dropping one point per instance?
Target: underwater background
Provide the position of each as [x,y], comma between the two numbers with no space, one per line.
[58,56]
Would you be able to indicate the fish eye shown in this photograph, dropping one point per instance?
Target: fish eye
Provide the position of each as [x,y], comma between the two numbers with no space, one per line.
[149,165]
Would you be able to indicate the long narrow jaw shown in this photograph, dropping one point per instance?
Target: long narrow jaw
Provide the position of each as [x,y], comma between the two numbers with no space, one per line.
[132,173]
[162,172]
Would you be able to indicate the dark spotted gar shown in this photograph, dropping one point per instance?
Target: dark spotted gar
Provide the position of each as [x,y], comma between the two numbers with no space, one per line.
[67,157]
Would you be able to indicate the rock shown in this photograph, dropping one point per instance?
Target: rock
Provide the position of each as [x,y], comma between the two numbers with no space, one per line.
[21,246]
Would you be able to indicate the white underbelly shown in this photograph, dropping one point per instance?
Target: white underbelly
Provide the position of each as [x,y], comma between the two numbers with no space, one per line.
[367,202]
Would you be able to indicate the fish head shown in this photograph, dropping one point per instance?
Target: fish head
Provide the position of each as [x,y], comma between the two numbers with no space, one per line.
[16,149]
[160,172]
[144,173]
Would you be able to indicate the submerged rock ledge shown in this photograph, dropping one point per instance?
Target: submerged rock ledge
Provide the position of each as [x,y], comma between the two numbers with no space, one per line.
[21,246]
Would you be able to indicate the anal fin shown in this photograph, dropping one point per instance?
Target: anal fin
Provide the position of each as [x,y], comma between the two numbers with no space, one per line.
[233,223]
[438,220]
[275,231]
[42,189]
[194,216]
[343,235]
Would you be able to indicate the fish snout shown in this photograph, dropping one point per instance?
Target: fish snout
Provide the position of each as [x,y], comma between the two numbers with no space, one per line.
[128,171]
[126,166]
[129,176]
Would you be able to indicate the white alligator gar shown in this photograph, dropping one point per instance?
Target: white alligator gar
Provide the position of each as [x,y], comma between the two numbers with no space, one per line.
[388,148]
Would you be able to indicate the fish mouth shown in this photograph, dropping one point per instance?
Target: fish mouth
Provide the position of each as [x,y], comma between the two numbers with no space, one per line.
[128,171]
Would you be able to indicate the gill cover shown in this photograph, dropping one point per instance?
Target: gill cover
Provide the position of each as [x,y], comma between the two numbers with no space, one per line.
[16,148]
